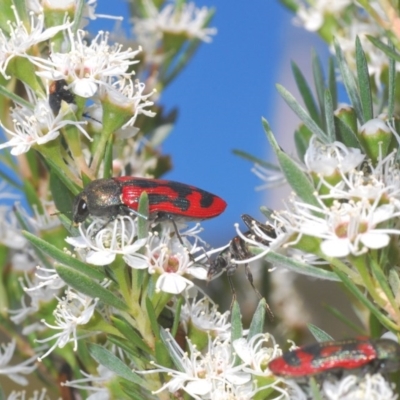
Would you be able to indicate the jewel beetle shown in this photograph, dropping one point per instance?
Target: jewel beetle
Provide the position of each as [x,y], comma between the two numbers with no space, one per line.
[168,200]
[336,357]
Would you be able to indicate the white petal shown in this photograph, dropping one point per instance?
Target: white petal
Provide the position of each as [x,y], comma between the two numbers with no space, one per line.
[77,241]
[199,387]
[240,378]
[172,283]
[198,272]
[135,261]
[335,247]
[375,240]
[133,248]
[100,257]
[84,87]
[242,349]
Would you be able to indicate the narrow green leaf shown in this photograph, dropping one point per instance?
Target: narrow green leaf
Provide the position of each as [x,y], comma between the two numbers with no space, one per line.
[363,82]
[349,83]
[256,160]
[318,333]
[152,318]
[63,198]
[334,311]
[15,98]
[296,178]
[332,81]
[82,283]
[306,94]
[383,283]
[315,391]
[257,323]
[143,209]
[391,85]
[126,329]
[61,175]
[346,134]
[301,113]
[281,261]
[388,50]
[364,300]
[177,316]
[63,258]
[329,117]
[319,80]
[236,322]
[108,159]
[113,363]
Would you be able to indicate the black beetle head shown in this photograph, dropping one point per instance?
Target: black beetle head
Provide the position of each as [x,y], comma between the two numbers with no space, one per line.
[80,210]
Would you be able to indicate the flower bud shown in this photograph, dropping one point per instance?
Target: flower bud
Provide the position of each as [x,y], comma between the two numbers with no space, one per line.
[375,137]
[347,115]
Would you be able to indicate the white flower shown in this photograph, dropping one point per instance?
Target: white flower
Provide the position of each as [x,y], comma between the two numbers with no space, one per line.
[21,38]
[345,228]
[129,95]
[10,232]
[166,257]
[272,176]
[96,385]
[371,387]
[73,310]
[101,244]
[87,66]
[15,372]
[40,291]
[175,19]
[37,126]
[312,17]
[326,159]
[209,375]
[204,315]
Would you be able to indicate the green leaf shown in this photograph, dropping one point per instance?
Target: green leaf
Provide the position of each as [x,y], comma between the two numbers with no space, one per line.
[388,50]
[114,364]
[306,94]
[301,113]
[257,323]
[363,82]
[384,285]
[296,178]
[319,334]
[335,312]
[236,322]
[63,198]
[365,301]
[319,83]
[82,283]
[346,134]
[108,159]
[391,86]
[315,391]
[126,329]
[143,209]
[256,160]
[332,82]
[349,83]
[63,258]
[329,117]
[281,261]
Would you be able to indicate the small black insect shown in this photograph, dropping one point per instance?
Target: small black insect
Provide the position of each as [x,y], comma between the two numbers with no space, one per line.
[59,92]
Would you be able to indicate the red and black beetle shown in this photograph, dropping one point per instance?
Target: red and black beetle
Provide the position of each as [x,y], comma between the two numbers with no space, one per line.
[168,200]
[336,357]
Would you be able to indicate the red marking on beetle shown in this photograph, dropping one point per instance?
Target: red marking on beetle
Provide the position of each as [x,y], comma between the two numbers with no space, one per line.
[171,197]
[380,355]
